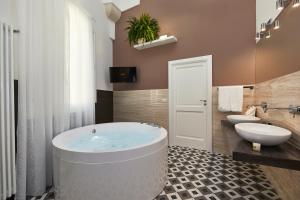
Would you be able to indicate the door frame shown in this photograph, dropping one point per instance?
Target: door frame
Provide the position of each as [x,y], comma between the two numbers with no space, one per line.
[171,64]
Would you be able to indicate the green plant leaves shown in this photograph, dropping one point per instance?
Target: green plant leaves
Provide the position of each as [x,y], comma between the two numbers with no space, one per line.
[145,28]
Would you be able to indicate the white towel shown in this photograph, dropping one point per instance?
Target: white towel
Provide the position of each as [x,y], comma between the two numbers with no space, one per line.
[236,98]
[231,98]
[224,99]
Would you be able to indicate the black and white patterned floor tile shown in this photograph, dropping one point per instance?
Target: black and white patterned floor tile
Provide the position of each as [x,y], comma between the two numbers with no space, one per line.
[199,175]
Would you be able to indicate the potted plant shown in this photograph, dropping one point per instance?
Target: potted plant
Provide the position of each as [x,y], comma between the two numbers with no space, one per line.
[143,29]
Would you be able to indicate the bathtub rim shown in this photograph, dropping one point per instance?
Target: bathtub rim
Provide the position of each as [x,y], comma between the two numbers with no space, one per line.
[102,157]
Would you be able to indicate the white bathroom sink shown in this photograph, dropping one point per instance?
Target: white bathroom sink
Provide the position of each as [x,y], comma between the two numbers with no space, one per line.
[263,134]
[235,119]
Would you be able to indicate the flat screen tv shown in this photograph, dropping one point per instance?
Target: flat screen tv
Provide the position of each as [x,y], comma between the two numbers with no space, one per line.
[122,74]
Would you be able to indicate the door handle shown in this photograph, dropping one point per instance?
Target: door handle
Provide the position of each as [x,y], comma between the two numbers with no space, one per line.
[204,102]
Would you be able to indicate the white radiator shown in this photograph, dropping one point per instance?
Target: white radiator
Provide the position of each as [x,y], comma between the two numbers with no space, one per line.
[7,120]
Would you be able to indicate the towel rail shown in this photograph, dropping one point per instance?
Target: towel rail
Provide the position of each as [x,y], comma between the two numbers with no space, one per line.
[251,87]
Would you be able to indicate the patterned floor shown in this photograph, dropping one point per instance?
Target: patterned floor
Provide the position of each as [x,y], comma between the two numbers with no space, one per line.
[199,175]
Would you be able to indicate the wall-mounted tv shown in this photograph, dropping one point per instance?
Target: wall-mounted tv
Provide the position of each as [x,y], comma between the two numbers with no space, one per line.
[122,74]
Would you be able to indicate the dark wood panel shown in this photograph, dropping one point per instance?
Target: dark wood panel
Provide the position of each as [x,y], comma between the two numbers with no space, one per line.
[104,107]
[285,155]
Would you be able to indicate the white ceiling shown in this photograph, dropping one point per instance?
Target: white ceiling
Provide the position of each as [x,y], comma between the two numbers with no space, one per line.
[124,5]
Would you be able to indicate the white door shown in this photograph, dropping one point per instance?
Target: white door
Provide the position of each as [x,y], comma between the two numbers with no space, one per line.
[190,102]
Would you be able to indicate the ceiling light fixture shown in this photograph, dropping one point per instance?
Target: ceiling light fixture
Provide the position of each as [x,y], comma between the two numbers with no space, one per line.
[276,24]
[257,36]
[280,4]
[268,35]
[263,27]
[296,3]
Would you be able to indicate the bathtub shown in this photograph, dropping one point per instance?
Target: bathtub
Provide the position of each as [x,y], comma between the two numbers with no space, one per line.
[119,161]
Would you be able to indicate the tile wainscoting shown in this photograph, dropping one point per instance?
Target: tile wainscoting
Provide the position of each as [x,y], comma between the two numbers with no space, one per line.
[142,106]
[282,92]
[152,106]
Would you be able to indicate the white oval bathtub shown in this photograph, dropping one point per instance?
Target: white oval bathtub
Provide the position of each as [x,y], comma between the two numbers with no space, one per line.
[121,161]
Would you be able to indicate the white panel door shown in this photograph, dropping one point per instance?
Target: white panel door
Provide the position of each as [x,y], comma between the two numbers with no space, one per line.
[190,85]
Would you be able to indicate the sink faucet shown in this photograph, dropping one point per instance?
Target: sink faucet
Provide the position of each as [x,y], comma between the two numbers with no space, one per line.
[264,106]
[152,124]
[292,109]
[94,131]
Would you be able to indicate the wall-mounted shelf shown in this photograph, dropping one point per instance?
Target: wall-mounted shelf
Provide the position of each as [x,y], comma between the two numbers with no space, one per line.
[159,42]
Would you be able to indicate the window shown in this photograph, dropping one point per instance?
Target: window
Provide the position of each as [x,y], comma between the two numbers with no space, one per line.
[80,40]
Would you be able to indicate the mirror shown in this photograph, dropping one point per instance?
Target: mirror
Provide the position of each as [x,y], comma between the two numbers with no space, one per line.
[279,54]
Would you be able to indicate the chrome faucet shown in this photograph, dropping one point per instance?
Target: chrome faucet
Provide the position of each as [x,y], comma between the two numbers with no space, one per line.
[292,109]
[151,124]
[264,106]
[94,131]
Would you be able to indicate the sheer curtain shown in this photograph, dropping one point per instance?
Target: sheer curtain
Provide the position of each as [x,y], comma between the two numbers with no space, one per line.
[80,43]
[49,101]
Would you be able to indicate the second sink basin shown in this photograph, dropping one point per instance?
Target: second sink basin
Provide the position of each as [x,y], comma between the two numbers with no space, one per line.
[263,134]
[235,119]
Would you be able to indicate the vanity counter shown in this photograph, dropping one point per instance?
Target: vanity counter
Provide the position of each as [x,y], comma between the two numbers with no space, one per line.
[285,155]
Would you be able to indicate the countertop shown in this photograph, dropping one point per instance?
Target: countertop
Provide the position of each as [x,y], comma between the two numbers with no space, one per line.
[285,155]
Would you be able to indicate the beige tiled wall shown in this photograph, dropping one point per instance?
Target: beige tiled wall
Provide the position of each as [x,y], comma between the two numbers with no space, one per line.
[142,106]
[152,106]
[280,92]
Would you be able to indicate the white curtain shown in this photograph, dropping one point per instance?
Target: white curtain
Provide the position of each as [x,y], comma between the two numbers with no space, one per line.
[7,122]
[46,88]
[80,40]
